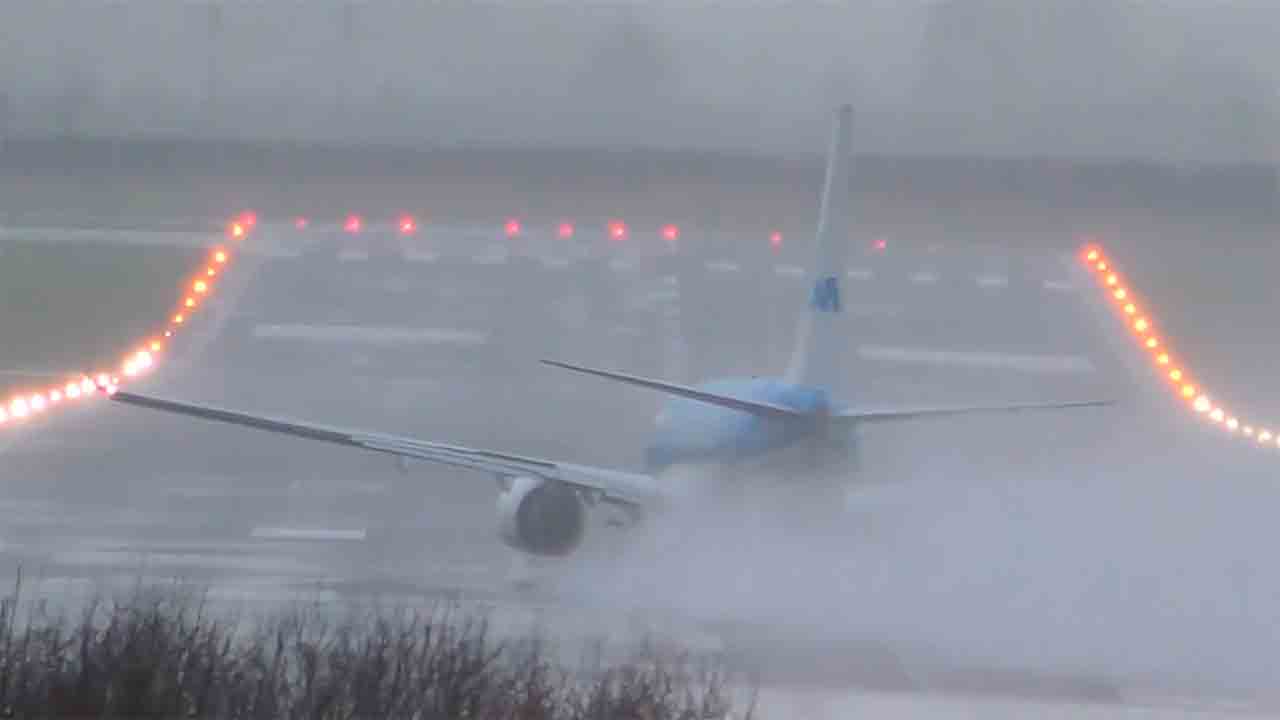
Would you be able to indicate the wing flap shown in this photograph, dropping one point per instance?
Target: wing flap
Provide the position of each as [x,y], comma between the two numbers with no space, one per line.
[615,485]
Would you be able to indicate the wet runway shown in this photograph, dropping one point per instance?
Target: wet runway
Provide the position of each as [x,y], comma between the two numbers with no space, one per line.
[438,336]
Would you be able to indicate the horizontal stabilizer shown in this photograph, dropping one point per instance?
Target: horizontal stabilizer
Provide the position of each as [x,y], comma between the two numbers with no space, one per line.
[871,415]
[754,407]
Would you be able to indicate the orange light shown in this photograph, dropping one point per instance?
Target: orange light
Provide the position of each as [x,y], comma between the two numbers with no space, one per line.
[4,415]
[1092,256]
[1130,309]
[37,403]
[1141,325]
[1188,391]
[1175,375]
[1162,359]
[1120,294]
[220,256]
[189,302]
[73,390]
[168,333]
[200,286]
[1112,279]
[1217,415]
[86,385]
[18,408]
[1233,424]
[237,230]
[178,319]
[1264,435]
[1202,404]
[1102,267]
[210,272]
[1247,430]
[55,396]
[156,345]
[1152,343]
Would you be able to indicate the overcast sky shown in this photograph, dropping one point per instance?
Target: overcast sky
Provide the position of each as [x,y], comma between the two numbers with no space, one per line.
[1168,79]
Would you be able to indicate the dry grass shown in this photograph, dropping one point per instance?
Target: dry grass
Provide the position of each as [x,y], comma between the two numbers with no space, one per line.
[162,652]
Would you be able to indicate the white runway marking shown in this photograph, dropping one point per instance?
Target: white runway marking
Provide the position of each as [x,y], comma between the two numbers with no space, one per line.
[372,335]
[420,256]
[490,259]
[284,533]
[789,270]
[1046,364]
[992,281]
[859,274]
[722,266]
[620,265]
[556,263]
[353,256]
[1058,286]
[924,278]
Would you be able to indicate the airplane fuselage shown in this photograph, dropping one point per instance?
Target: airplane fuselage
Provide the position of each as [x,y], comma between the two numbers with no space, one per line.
[690,432]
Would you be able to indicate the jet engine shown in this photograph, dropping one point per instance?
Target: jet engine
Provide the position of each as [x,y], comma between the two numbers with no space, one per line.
[540,517]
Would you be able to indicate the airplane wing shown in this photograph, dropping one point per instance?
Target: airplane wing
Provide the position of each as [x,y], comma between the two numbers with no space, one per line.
[871,415]
[615,486]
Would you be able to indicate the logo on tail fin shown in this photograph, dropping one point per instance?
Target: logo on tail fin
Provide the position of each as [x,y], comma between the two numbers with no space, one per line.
[826,295]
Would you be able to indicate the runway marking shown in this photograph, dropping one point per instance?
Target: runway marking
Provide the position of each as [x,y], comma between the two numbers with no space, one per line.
[353,256]
[620,265]
[420,256]
[722,266]
[284,533]
[556,263]
[859,274]
[1043,364]
[989,281]
[924,277]
[789,270]
[490,259]
[371,335]
[1058,286]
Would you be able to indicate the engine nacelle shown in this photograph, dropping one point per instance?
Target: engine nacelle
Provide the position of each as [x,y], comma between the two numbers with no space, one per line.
[541,517]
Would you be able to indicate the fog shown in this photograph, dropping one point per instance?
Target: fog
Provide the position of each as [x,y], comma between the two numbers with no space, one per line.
[1182,81]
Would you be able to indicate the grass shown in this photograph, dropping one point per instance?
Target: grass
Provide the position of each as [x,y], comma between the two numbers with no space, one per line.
[71,307]
[162,652]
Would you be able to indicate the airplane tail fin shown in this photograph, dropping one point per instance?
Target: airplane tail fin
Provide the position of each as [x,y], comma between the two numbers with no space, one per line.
[816,359]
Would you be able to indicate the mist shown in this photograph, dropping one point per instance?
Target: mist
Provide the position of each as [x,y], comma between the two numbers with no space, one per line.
[1177,81]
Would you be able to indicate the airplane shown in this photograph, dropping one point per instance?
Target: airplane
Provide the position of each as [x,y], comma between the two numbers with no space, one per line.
[705,435]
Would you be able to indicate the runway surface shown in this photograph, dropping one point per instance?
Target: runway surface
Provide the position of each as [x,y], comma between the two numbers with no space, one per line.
[438,336]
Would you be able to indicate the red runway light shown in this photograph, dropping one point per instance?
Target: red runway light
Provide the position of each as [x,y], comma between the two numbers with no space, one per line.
[408,225]
[880,244]
[300,223]
[775,240]
[565,230]
[353,224]
[511,228]
[249,218]
[670,233]
[617,230]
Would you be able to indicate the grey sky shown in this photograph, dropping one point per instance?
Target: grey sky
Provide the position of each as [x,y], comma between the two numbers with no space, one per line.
[1182,81]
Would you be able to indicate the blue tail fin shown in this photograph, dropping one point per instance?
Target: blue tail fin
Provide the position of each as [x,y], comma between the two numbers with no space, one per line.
[816,360]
